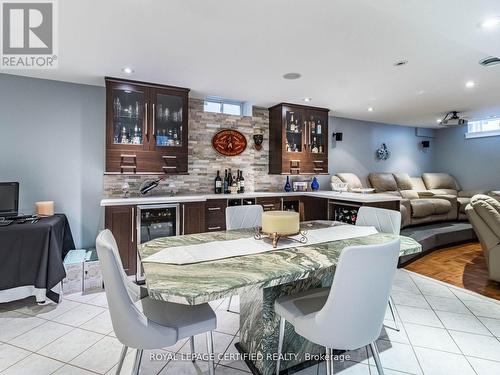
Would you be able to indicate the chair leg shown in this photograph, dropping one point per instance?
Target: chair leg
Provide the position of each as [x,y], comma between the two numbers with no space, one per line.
[393,310]
[328,362]
[191,343]
[122,358]
[280,344]
[137,362]
[229,303]
[210,348]
[376,357]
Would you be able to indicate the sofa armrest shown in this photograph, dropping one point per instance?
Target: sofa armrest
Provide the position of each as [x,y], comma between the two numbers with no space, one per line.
[425,193]
[471,193]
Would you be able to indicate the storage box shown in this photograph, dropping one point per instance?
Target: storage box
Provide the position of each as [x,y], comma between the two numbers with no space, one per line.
[83,272]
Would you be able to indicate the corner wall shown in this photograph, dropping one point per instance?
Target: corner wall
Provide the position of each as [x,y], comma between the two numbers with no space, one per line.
[475,162]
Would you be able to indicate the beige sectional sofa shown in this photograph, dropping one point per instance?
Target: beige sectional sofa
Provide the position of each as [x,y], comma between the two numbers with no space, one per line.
[431,198]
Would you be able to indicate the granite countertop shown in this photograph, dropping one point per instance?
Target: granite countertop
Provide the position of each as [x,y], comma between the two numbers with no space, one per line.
[180,198]
[197,283]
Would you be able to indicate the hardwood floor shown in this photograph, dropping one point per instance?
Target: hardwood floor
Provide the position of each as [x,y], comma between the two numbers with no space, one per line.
[462,265]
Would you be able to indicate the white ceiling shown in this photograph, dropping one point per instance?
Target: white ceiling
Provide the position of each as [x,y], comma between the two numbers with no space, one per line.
[344,49]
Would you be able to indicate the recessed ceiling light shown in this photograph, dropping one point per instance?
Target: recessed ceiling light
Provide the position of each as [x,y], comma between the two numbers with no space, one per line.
[400,62]
[421,92]
[490,23]
[307,100]
[127,70]
[370,109]
[291,76]
[470,84]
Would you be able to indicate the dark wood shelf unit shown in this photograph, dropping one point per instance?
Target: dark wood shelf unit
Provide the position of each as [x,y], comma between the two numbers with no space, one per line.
[305,120]
[142,117]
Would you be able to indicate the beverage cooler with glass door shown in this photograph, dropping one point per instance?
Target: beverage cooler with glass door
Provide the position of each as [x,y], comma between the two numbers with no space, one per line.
[154,221]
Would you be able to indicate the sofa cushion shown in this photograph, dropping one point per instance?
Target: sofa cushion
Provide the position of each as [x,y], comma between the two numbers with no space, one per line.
[441,206]
[428,207]
[403,181]
[351,179]
[409,194]
[462,203]
[444,192]
[421,208]
[383,182]
[418,184]
[440,181]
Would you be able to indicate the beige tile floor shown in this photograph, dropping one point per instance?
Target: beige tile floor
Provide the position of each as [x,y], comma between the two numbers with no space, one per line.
[444,331]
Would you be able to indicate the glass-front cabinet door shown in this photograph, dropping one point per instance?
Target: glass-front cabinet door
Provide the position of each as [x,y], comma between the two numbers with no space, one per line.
[169,127]
[294,129]
[128,126]
[316,134]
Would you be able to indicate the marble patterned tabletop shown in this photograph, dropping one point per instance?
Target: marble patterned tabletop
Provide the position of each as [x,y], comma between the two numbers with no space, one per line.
[198,283]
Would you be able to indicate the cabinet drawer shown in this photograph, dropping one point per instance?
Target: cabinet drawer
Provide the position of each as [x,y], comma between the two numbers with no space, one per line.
[215,215]
[270,204]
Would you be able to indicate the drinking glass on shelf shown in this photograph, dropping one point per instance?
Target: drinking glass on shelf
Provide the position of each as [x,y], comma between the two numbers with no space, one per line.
[159,111]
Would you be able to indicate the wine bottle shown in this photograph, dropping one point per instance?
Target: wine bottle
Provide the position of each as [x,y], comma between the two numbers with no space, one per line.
[229,179]
[314,147]
[226,182]
[238,181]
[218,184]
[242,183]
[318,128]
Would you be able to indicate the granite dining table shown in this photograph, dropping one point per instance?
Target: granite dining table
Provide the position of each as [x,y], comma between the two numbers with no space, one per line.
[258,279]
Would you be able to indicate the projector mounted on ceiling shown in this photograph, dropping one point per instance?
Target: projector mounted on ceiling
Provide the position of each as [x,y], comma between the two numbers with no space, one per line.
[453,119]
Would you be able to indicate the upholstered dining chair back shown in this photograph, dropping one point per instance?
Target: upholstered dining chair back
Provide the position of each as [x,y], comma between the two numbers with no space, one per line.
[385,221]
[357,302]
[240,217]
[131,326]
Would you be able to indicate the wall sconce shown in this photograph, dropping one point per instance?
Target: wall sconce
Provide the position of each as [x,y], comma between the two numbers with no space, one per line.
[337,136]
[426,144]
[258,138]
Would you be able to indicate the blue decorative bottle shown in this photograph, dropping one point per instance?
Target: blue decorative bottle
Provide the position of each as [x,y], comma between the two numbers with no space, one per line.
[288,187]
[315,184]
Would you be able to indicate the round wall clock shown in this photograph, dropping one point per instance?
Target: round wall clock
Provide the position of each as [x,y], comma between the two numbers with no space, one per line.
[229,142]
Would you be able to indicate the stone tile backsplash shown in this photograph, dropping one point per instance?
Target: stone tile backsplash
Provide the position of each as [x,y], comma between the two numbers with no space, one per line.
[204,161]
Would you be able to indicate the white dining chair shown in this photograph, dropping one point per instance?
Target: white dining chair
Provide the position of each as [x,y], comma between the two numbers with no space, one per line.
[349,315]
[146,323]
[385,221]
[241,217]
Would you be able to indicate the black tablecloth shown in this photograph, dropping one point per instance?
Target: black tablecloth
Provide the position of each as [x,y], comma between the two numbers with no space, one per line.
[32,254]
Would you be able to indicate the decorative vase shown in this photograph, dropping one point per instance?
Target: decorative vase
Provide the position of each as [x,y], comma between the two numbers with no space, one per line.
[315,184]
[288,187]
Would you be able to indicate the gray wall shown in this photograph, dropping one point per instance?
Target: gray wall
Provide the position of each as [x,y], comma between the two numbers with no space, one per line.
[474,162]
[52,142]
[356,152]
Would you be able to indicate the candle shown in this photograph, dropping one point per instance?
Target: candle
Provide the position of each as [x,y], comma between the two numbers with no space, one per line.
[281,222]
[45,208]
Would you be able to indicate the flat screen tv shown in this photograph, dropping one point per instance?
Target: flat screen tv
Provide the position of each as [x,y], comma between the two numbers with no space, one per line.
[9,198]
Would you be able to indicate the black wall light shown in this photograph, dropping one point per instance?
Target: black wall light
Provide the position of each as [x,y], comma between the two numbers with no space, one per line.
[337,136]
[426,144]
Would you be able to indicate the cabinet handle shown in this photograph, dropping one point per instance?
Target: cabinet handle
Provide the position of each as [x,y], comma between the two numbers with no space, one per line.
[268,205]
[169,157]
[154,120]
[132,226]
[183,220]
[214,228]
[213,208]
[146,119]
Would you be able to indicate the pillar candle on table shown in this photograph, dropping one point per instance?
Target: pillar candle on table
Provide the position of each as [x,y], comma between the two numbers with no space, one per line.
[45,208]
[281,222]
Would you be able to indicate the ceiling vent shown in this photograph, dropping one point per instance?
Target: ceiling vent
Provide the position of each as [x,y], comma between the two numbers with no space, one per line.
[489,61]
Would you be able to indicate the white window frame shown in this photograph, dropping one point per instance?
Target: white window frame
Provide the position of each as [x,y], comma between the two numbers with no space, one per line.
[222,102]
[482,133]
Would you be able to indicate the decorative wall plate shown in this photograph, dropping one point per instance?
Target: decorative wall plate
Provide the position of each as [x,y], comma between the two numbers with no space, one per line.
[229,142]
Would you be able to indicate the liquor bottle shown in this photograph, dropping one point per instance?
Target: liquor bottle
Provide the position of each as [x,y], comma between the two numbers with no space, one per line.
[238,181]
[123,135]
[320,149]
[234,186]
[318,128]
[218,184]
[136,139]
[226,182]
[229,179]
[314,148]
[313,127]
[242,183]
[287,146]
[292,123]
